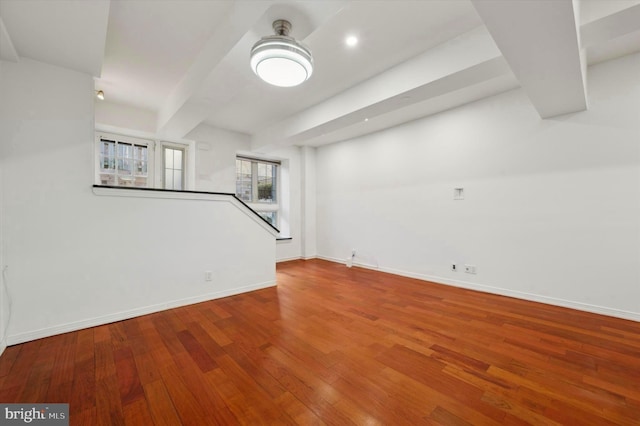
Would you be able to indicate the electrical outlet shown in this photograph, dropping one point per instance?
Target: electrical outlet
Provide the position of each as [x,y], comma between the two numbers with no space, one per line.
[353,252]
[208,276]
[454,267]
[470,269]
[458,193]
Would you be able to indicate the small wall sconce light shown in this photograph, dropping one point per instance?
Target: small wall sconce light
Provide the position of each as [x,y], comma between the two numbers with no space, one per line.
[100,95]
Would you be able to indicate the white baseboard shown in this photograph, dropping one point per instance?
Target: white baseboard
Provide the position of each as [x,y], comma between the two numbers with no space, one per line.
[288,259]
[3,346]
[119,316]
[602,310]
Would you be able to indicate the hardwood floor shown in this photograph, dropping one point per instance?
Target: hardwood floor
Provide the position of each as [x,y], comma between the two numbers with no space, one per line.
[332,345]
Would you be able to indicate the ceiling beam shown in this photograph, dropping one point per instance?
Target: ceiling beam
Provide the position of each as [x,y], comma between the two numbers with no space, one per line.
[458,63]
[79,28]
[7,50]
[612,26]
[467,85]
[178,116]
[540,42]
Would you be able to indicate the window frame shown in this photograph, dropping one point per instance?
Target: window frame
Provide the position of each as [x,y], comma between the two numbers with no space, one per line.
[155,160]
[261,206]
[117,139]
[185,152]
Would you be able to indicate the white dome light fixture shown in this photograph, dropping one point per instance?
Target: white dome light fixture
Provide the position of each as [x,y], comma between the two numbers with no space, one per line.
[280,60]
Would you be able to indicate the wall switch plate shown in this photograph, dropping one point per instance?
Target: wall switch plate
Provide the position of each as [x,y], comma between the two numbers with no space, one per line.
[470,269]
[208,276]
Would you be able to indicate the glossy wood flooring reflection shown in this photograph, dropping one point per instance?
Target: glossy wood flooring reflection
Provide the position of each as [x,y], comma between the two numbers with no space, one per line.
[339,346]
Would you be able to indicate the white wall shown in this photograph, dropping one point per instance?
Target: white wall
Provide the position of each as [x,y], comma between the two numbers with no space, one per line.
[4,299]
[308,201]
[551,209]
[127,119]
[77,259]
[216,157]
[6,130]
[215,168]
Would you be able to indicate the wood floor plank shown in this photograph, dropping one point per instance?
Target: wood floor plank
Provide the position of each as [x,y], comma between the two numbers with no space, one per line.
[39,379]
[336,346]
[196,351]
[108,403]
[233,398]
[160,405]
[85,418]
[256,395]
[213,405]
[8,358]
[129,383]
[83,390]
[137,413]
[186,404]
[298,412]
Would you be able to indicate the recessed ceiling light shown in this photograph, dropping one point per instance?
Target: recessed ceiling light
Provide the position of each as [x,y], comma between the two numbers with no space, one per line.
[351,41]
[366,119]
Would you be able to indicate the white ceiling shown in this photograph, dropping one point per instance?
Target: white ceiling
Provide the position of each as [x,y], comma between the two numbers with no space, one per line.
[187,60]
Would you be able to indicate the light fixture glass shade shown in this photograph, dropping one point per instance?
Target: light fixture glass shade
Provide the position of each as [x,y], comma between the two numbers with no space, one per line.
[100,95]
[281,61]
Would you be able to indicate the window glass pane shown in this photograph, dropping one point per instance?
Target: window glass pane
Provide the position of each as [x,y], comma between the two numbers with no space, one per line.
[140,168]
[125,181]
[177,179]
[243,180]
[168,179]
[168,158]
[107,148]
[125,166]
[125,150]
[123,163]
[173,168]
[140,152]
[108,179]
[177,159]
[270,217]
[266,188]
[246,168]
[107,164]
[265,179]
[140,182]
[107,160]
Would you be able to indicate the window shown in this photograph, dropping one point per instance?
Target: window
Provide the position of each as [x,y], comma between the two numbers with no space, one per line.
[173,164]
[257,185]
[142,163]
[123,163]
[270,217]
